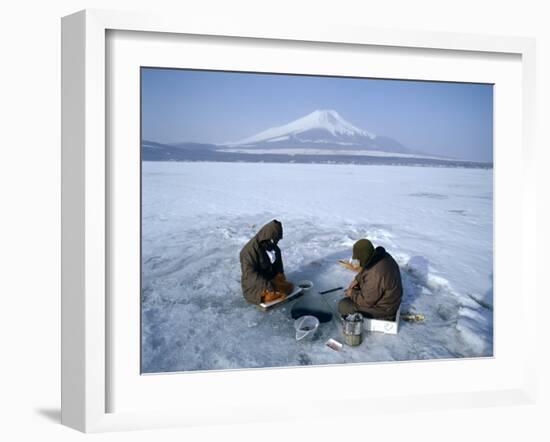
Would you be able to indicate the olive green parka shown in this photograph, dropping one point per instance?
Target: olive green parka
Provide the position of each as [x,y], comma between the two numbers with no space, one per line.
[256,268]
[379,288]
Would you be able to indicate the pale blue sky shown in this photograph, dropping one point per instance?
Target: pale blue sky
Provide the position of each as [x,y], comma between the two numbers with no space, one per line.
[450,119]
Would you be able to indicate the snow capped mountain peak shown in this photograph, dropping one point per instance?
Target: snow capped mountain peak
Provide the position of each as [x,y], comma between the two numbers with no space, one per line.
[325,121]
[325,115]
[333,122]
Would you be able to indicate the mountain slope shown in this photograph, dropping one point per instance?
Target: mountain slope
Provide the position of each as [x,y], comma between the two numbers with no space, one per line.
[321,129]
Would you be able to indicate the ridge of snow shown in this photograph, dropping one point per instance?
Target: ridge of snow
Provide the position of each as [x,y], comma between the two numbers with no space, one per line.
[329,120]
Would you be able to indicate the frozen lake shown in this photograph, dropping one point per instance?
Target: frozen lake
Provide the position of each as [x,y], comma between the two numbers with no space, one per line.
[436,222]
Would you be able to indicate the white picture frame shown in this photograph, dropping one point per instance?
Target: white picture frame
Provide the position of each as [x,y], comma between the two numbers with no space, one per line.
[87,204]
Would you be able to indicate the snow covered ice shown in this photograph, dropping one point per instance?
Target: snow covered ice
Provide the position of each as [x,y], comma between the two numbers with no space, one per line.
[436,222]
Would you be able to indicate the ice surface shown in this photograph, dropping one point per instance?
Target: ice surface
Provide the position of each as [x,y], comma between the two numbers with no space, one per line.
[436,222]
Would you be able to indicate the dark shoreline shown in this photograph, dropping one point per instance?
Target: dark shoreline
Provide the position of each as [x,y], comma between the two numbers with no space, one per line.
[170,153]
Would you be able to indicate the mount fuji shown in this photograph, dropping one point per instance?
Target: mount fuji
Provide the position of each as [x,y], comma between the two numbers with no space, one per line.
[321,129]
[322,136]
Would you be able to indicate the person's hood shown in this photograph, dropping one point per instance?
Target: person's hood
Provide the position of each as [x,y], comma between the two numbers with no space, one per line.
[363,251]
[377,256]
[271,231]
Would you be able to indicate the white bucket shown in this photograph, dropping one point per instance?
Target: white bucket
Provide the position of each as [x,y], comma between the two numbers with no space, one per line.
[305,326]
[305,285]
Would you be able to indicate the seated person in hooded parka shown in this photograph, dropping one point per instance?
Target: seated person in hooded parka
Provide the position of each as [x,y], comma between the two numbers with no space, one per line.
[377,289]
[262,271]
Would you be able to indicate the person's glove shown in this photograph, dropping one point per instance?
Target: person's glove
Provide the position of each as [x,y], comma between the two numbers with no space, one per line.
[280,284]
[353,285]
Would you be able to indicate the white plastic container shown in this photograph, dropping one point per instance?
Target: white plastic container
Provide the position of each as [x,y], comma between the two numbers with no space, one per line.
[305,327]
[379,325]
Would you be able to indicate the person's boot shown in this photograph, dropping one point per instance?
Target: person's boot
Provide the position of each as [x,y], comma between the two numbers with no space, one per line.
[270,296]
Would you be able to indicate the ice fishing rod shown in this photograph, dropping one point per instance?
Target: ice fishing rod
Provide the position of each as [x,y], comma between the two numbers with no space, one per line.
[331,290]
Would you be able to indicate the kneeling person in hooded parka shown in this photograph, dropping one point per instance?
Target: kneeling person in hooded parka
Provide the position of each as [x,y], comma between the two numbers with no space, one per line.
[262,272]
[376,291]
